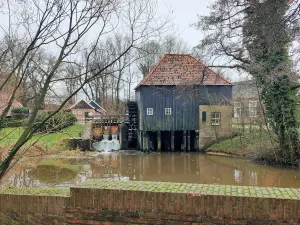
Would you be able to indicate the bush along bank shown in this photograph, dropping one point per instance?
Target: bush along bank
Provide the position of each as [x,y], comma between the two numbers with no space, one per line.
[56,122]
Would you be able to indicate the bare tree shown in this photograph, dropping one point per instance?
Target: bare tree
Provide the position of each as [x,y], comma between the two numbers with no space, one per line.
[152,51]
[65,26]
[254,36]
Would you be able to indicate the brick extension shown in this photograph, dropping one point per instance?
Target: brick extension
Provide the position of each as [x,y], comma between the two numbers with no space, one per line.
[129,202]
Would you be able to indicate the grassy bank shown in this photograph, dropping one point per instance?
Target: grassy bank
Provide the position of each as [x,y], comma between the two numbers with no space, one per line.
[256,146]
[8,136]
[44,144]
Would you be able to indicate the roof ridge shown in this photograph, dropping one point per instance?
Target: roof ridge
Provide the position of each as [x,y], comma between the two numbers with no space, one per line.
[97,105]
[186,62]
[84,101]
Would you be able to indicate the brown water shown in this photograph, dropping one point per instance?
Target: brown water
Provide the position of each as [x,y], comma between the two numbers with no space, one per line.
[169,167]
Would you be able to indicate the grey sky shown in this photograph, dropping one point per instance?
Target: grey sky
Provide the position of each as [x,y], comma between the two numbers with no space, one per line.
[185,13]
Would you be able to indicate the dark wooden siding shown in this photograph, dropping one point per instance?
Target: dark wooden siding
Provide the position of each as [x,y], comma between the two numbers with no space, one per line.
[184,105]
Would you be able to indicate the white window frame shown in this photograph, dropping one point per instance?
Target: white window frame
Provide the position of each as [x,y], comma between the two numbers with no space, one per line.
[168,111]
[237,109]
[216,118]
[252,109]
[74,112]
[80,112]
[149,111]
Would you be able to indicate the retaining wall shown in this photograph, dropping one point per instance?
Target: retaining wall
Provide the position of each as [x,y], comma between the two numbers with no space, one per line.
[126,202]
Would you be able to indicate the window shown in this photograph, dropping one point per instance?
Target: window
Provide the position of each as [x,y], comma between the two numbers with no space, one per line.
[74,112]
[237,109]
[252,108]
[149,111]
[168,111]
[215,118]
[79,112]
[203,116]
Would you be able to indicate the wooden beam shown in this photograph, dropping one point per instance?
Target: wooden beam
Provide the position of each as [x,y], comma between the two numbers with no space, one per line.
[159,141]
[184,141]
[189,140]
[173,141]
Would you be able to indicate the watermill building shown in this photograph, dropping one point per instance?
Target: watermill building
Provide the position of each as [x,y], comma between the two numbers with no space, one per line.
[182,105]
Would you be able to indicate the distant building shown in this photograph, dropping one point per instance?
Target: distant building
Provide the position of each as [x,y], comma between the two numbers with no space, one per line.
[83,109]
[246,104]
[169,102]
[4,99]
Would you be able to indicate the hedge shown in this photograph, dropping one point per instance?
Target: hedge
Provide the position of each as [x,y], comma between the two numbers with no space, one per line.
[56,122]
[20,112]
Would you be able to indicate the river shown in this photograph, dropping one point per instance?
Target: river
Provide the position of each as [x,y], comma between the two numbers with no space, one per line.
[165,167]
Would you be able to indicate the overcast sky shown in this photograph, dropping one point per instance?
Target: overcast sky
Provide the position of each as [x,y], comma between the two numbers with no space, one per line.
[185,13]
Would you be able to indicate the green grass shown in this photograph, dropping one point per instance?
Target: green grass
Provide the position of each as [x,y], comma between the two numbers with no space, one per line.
[243,145]
[8,136]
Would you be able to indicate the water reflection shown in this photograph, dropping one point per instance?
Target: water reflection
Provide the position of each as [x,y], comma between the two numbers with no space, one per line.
[169,167]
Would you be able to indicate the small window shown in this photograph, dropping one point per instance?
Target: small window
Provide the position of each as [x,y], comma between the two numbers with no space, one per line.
[74,112]
[215,118]
[252,108]
[79,112]
[204,117]
[168,111]
[149,111]
[237,109]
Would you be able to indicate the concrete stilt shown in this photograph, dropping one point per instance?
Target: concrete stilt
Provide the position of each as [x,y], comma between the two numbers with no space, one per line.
[145,141]
[189,141]
[172,141]
[159,141]
[184,141]
[197,141]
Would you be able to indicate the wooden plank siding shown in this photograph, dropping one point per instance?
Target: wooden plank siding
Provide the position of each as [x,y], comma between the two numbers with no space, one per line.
[185,109]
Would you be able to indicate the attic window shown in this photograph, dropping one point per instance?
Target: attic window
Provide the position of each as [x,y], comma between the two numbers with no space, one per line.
[149,111]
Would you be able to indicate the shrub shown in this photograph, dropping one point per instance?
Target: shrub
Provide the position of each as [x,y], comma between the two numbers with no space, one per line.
[15,123]
[56,122]
[20,112]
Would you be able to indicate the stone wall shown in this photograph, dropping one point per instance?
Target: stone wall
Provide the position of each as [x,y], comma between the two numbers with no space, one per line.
[208,133]
[126,202]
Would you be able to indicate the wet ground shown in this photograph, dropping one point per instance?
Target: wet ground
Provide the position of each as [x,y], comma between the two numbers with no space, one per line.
[169,167]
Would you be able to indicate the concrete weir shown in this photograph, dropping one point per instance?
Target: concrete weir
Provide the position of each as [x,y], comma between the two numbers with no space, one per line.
[131,202]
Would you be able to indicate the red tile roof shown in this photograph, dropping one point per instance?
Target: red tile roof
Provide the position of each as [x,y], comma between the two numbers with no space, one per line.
[178,69]
[4,99]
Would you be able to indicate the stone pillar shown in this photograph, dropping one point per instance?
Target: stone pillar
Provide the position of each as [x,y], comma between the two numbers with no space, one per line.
[146,141]
[159,141]
[189,141]
[184,141]
[197,141]
[173,141]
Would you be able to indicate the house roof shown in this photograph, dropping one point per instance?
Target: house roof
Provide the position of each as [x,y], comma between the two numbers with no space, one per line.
[96,105]
[82,104]
[4,99]
[245,89]
[181,69]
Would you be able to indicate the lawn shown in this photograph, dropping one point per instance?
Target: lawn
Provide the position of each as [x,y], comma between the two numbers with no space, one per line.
[244,145]
[8,136]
